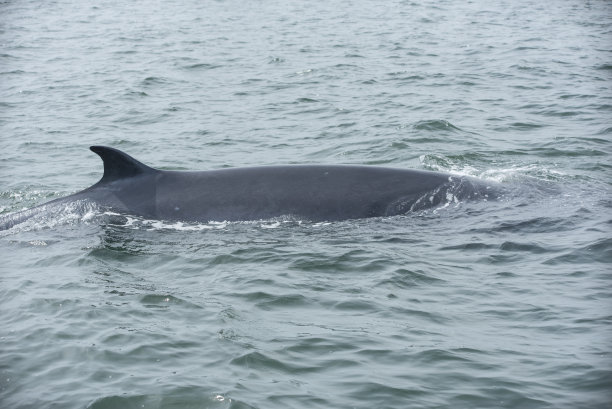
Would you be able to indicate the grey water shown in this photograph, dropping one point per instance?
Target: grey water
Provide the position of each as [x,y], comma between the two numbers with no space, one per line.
[505,303]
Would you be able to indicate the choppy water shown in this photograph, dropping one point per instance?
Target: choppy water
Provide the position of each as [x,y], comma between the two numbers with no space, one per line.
[499,304]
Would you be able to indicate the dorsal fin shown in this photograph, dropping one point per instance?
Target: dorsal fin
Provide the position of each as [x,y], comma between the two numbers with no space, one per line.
[119,165]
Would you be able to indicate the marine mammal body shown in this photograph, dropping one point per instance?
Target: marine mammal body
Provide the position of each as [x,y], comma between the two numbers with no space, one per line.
[310,192]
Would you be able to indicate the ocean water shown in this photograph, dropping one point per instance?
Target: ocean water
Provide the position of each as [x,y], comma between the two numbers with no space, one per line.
[505,303]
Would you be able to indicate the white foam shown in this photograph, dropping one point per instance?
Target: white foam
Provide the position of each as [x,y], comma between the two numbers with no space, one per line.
[498,175]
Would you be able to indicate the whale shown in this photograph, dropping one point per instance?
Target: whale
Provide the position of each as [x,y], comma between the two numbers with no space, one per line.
[303,192]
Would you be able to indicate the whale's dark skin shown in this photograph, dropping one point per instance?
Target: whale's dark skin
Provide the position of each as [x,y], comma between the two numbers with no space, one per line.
[304,192]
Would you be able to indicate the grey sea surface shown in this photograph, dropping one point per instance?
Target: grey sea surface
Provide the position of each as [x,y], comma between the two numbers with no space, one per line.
[505,303]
